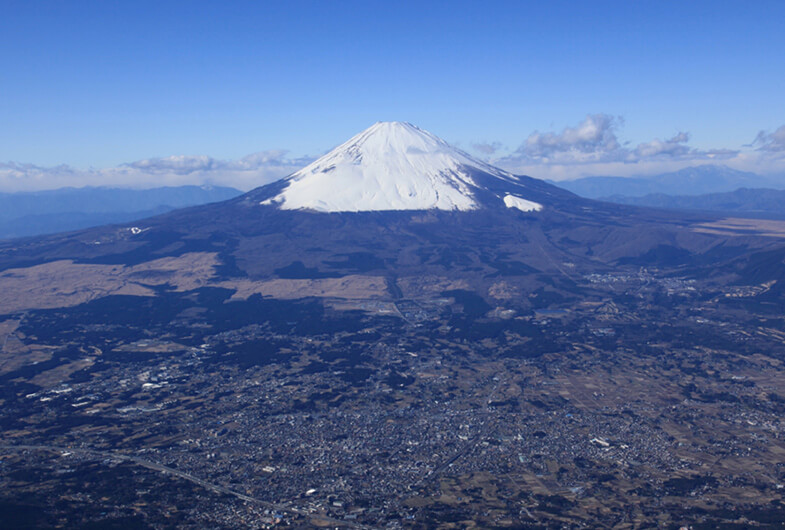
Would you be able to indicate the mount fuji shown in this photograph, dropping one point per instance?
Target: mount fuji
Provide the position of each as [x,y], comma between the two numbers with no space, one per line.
[398,166]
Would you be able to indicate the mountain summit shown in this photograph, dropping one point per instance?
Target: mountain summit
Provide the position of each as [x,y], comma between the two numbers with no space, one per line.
[398,166]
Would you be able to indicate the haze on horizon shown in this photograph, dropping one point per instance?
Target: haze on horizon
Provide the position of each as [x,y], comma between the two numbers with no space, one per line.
[150,93]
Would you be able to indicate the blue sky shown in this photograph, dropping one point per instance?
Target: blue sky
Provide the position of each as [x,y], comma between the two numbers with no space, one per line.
[104,84]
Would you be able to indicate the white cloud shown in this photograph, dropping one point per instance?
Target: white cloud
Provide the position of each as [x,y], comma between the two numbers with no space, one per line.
[674,147]
[592,139]
[593,147]
[246,173]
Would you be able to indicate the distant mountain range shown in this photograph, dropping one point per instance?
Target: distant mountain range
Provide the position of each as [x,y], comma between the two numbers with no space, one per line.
[702,188]
[758,202]
[698,180]
[61,210]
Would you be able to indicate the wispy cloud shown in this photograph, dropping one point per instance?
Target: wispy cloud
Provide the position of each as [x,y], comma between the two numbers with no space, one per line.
[594,146]
[487,148]
[771,141]
[179,165]
[246,173]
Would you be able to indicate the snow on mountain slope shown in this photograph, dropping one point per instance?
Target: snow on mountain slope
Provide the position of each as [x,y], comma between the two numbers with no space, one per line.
[511,201]
[389,166]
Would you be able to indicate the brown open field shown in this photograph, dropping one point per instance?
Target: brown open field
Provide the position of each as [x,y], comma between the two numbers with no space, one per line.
[65,283]
[352,287]
[14,353]
[733,226]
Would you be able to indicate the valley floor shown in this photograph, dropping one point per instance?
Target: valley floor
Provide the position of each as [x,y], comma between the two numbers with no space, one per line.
[647,401]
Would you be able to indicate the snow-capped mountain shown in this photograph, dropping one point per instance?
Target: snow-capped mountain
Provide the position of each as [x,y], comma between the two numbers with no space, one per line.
[398,166]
